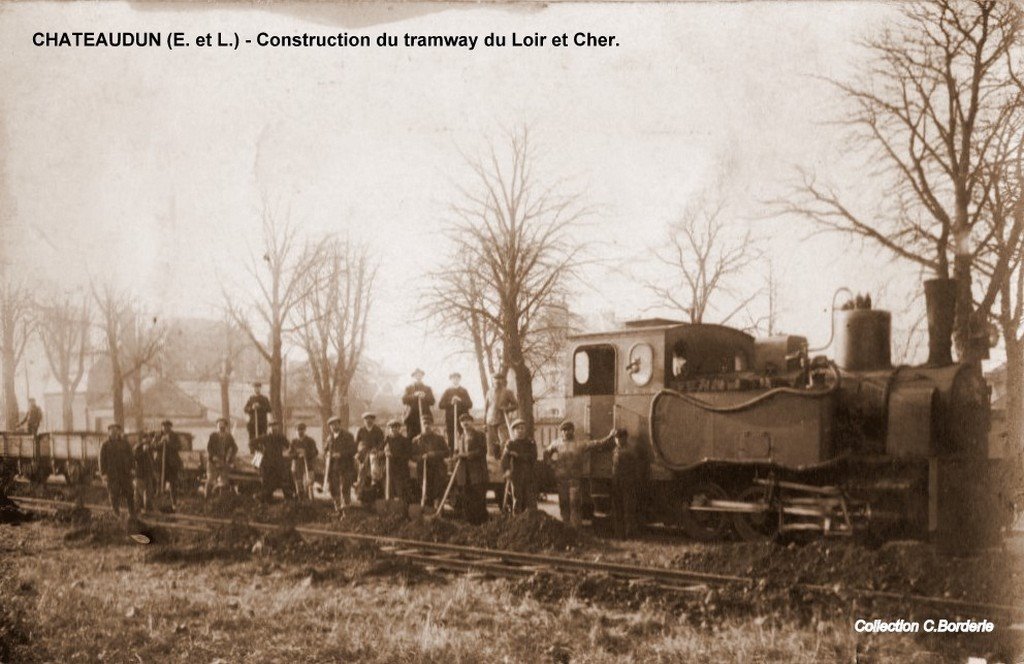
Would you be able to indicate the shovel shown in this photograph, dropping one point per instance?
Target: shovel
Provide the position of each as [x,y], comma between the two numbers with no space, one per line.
[389,505]
[448,489]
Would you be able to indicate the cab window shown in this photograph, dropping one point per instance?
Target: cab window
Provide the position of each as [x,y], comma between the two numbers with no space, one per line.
[593,371]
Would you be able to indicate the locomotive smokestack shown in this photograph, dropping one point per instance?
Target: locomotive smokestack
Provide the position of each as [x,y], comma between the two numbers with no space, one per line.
[940,298]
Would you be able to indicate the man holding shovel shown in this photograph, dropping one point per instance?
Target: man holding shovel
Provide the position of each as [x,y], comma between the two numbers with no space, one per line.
[519,461]
[116,465]
[454,402]
[501,404]
[470,471]
[430,451]
[397,453]
[258,409]
[418,399]
[340,471]
[303,454]
[168,456]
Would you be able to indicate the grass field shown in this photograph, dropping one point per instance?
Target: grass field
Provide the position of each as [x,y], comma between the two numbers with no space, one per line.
[86,594]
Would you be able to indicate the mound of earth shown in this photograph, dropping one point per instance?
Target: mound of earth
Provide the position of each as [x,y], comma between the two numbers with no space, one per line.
[11,513]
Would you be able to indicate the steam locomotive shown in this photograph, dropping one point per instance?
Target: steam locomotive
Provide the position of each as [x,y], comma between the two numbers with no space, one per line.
[756,437]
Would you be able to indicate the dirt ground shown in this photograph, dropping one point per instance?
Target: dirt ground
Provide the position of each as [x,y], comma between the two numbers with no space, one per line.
[78,590]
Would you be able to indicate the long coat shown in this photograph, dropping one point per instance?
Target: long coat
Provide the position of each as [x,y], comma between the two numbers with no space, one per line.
[447,404]
[473,469]
[257,408]
[412,407]
[116,460]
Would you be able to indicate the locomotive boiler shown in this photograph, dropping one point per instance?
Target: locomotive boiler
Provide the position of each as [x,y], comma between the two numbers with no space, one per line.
[759,437]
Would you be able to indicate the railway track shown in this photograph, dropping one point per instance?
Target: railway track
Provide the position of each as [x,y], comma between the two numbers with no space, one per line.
[503,563]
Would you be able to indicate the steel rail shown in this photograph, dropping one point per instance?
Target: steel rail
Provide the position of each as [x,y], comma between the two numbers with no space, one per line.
[502,562]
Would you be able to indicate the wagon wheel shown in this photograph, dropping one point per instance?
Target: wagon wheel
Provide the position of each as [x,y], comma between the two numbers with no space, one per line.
[752,527]
[700,525]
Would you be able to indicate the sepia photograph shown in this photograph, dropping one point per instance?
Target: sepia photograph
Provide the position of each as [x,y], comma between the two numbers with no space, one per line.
[512,331]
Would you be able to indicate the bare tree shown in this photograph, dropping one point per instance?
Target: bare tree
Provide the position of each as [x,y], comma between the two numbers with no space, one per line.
[16,326]
[766,320]
[928,111]
[708,264]
[142,340]
[113,308]
[65,331]
[511,230]
[283,276]
[445,303]
[331,321]
[231,351]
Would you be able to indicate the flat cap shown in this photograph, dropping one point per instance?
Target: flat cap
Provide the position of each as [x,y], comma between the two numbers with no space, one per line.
[333,419]
[518,422]
[223,420]
[418,372]
[369,413]
[112,426]
[566,425]
[394,423]
[465,417]
[301,426]
[167,423]
[455,374]
[257,383]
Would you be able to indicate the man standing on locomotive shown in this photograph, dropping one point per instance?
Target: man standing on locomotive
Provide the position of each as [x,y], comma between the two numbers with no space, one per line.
[168,458]
[340,451]
[303,454]
[430,451]
[501,405]
[471,470]
[418,399]
[273,469]
[116,466]
[145,471]
[220,454]
[455,398]
[258,409]
[519,461]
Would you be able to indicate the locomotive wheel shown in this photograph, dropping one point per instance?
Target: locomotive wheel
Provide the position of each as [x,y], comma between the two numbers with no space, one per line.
[704,526]
[754,527]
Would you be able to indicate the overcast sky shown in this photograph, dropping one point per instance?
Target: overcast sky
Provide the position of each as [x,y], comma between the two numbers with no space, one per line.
[146,166]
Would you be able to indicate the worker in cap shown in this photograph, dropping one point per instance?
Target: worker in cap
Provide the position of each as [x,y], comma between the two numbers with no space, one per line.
[453,403]
[340,468]
[274,471]
[116,466]
[221,450]
[369,456]
[500,409]
[519,461]
[470,471]
[417,399]
[397,453]
[630,470]
[168,457]
[430,451]
[258,409]
[302,452]
[569,460]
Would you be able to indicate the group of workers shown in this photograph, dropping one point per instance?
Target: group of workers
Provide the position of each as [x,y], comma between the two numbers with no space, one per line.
[410,461]
[134,475]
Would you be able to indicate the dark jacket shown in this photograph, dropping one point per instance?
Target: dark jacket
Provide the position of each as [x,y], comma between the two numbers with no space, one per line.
[303,447]
[116,460]
[630,461]
[520,456]
[447,402]
[412,406]
[433,449]
[473,468]
[168,450]
[257,408]
[221,447]
[341,449]
[369,439]
[142,455]
[272,446]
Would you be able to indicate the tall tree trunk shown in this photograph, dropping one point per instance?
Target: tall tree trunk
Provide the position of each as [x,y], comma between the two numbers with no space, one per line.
[117,392]
[276,378]
[1014,393]
[225,397]
[480,351]
[11,413]
[138,408]
[67,412]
